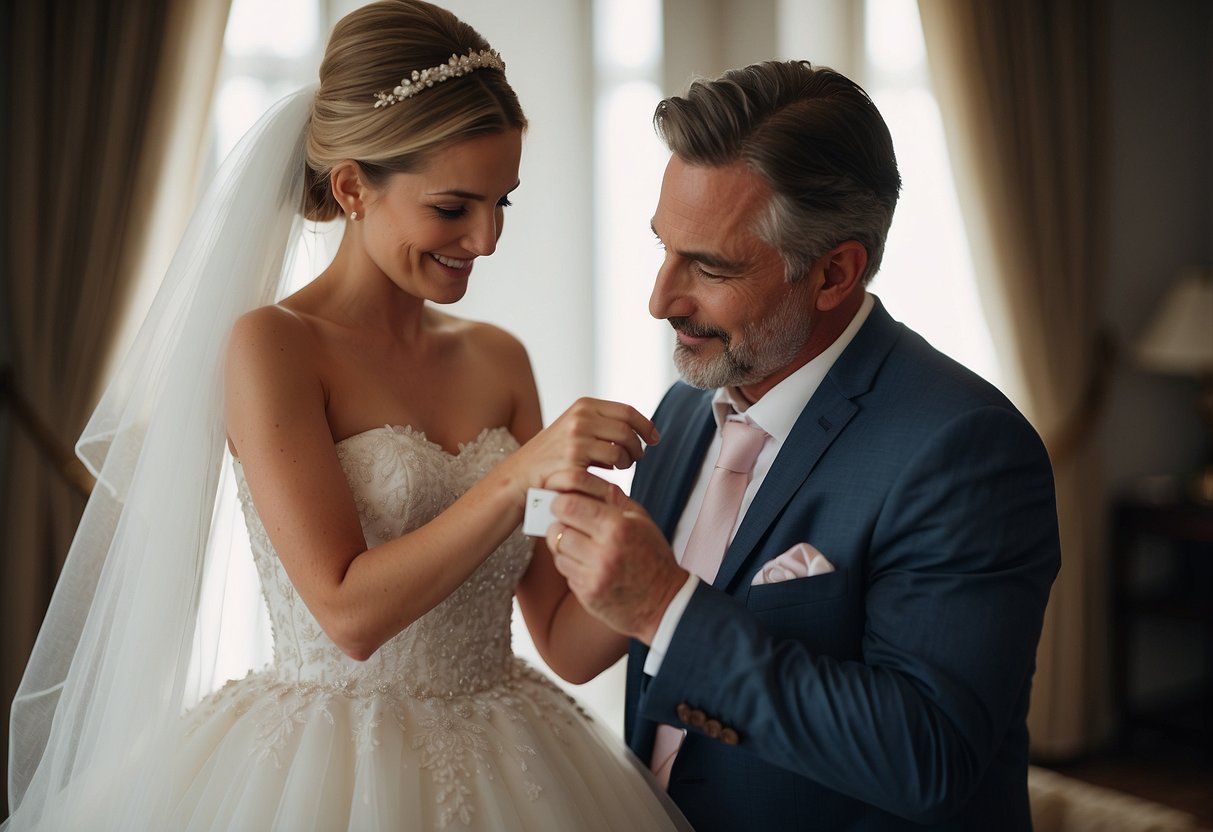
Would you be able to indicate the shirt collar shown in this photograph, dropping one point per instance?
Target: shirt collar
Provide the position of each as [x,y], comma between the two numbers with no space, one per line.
[777,411]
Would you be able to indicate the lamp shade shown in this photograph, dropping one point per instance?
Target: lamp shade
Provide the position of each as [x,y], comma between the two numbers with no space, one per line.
[1179,337]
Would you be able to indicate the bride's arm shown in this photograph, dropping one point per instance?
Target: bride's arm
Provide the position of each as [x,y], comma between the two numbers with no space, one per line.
[276,422]
[574,644]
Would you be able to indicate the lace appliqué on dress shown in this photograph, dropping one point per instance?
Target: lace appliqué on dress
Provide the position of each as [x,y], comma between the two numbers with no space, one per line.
[458,738]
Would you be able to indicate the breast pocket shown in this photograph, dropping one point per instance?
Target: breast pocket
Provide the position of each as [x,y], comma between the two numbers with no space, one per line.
[818,613]
[817,589]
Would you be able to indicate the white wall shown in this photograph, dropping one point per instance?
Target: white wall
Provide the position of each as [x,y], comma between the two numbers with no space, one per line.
[538,284]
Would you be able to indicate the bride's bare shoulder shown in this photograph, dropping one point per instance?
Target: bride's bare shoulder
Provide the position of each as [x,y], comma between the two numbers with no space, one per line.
[274,325]
[274,338]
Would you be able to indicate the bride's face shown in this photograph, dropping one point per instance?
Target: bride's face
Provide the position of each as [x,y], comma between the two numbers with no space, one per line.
[425,229]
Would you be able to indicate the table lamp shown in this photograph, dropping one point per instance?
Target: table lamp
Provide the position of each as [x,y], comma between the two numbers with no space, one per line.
[1179,340]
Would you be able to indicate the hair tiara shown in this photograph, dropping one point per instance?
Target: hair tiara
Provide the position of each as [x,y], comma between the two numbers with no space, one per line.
[458,65]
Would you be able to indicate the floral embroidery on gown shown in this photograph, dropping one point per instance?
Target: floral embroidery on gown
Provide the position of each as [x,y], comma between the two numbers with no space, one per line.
[442,728]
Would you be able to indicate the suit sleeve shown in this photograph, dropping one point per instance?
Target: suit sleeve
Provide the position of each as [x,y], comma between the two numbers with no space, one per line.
[958,569]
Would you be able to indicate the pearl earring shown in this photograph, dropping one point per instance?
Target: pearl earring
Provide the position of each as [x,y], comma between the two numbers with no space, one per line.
[354,216]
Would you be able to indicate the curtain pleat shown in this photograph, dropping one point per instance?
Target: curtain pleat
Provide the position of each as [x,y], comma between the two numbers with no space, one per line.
[1021,90]
[95,92]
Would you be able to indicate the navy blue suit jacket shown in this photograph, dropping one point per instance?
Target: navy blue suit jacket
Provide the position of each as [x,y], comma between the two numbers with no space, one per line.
[893,691]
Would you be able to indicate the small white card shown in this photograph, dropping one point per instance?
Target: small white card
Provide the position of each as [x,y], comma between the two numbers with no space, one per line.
[538,515]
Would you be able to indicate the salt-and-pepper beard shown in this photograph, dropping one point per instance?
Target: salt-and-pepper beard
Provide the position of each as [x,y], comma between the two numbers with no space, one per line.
[765,347]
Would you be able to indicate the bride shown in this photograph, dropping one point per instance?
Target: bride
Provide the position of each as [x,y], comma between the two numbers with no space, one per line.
[382,451]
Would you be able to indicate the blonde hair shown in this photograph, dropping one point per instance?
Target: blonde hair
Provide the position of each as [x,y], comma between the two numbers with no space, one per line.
[370,50]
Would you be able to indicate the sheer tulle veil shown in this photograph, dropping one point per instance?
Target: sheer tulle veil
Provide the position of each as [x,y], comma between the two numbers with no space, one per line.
[120,652]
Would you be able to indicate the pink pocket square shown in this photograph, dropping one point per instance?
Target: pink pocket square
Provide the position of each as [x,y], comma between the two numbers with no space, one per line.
[801,561]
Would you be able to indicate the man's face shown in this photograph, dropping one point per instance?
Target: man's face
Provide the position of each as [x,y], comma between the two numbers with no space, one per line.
[738,322]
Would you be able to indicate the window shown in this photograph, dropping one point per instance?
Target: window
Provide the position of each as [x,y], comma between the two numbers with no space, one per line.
[926,279]
[632,351]
[270,49]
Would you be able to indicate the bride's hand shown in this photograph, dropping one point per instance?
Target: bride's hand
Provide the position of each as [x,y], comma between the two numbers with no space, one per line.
[581,481]
[592,432]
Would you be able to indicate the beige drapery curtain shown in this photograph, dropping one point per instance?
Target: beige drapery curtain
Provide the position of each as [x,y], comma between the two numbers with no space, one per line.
[105,98]
[1020,85]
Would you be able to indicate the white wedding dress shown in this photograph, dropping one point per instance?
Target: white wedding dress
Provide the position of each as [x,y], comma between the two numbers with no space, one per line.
[442,728]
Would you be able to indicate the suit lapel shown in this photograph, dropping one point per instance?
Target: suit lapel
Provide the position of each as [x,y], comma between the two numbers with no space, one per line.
[819,424]
[680,461]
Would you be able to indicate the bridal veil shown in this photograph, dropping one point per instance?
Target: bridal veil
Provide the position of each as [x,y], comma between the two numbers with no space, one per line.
[120,654]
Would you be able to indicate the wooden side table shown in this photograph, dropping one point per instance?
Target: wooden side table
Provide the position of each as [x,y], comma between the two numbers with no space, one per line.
[1183,593]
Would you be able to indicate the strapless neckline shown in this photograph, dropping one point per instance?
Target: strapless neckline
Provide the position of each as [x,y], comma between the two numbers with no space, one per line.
[419,437]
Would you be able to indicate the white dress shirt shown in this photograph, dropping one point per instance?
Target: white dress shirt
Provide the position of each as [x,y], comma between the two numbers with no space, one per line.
[776,413]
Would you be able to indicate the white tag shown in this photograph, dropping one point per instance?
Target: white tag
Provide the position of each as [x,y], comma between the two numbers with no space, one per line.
[538,511]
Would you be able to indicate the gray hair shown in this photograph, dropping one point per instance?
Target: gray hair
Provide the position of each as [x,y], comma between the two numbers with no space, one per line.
[816,139]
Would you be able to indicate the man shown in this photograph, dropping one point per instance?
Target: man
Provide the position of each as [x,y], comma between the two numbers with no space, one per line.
[860,658]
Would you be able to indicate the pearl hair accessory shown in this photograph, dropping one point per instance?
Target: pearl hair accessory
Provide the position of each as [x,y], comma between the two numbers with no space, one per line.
[453,68]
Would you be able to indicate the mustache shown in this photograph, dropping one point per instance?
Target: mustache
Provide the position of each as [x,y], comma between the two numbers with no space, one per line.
[688,327]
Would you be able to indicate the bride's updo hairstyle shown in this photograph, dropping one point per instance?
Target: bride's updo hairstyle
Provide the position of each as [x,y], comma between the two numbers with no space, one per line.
[370,51]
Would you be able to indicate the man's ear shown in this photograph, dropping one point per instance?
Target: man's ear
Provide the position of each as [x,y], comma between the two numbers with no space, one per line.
[842,270]
[349,187]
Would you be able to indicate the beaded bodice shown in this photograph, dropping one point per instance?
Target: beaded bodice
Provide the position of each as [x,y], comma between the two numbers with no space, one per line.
[400,480]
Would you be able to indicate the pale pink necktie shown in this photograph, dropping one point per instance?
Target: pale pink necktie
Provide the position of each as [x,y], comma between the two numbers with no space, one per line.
[739,448]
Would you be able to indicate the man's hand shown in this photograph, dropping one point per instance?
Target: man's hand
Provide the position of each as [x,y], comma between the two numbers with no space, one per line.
[615,559]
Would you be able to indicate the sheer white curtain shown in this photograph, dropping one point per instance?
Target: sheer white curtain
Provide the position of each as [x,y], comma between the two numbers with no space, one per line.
[926,279]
